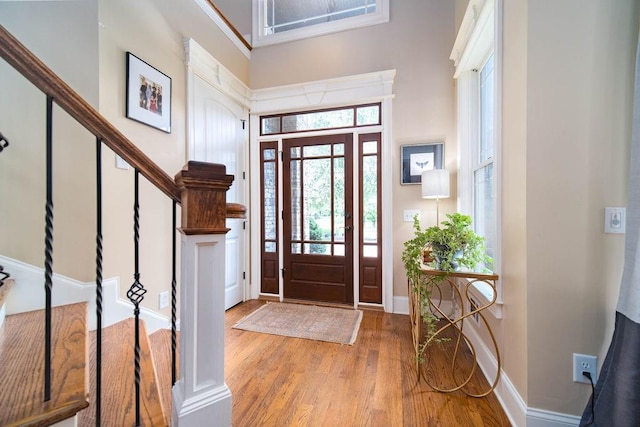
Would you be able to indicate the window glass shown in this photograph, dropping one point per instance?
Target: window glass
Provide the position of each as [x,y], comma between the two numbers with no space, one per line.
[317,120]
[368,115]
[279,21]
[269,212]
[270,125]
[486,111]
[361,115]
[370,147]
[287,15]
[484,211]
[370,198]
[296,204]
[370,251]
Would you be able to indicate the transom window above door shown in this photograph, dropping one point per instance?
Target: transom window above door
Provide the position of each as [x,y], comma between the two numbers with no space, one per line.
[335,118]
[279,21]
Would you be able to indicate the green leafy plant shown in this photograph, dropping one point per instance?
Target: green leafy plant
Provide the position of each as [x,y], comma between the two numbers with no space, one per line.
[455,244]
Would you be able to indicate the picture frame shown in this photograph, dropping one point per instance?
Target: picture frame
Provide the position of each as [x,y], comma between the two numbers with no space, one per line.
[417,158]
[148,94]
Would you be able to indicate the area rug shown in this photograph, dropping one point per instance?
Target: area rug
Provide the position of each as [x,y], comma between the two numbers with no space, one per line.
[312,322]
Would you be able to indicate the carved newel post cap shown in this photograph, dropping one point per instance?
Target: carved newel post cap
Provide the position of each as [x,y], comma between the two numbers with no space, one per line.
[203,192]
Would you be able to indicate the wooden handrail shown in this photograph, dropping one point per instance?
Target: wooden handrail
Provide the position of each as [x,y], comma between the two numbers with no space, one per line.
[34,70]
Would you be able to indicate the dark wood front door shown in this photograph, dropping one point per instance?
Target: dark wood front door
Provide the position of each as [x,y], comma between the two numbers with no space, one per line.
[318,218]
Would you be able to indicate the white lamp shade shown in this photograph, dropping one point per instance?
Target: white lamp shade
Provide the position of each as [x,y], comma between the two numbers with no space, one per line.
[435,184]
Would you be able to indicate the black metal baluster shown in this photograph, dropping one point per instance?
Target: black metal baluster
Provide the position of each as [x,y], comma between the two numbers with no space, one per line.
[4,142]
[136,292]
[4,275]
[98,280]
[48,252]
[173,299]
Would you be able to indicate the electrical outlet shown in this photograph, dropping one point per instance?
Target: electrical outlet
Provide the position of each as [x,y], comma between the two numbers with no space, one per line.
[163,300]
[584,363]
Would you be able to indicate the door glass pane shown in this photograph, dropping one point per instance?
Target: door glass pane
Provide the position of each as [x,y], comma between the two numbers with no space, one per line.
[370,198]
[269,154]
[317,199]
[269,246]
[269,209]
[338,199]
[296,197]
[316,150]
[338,149]
[370,251]
[317,248]
[296,248]
[338,250]
[295,152]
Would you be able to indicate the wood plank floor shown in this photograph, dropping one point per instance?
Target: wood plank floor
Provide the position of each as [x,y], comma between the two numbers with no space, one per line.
[279,381]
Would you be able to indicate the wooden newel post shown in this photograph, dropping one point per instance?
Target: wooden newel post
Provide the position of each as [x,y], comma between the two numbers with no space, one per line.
[203,188]
[200,396]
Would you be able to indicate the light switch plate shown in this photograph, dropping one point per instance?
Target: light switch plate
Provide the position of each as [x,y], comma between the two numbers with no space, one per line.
[408,214]
[614,220]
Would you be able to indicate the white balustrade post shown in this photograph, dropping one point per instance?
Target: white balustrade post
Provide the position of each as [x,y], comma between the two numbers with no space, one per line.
[201,396]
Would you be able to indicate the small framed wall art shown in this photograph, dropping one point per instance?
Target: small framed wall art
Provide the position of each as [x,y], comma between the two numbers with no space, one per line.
[418,158]
[148,94]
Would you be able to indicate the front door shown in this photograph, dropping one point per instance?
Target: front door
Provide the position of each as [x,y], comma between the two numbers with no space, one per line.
[318,218]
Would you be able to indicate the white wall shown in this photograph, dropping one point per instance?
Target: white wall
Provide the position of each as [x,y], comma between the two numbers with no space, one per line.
[72,54]
[416,42]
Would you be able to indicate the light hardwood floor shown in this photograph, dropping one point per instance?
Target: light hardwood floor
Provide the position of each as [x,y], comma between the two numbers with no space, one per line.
[279,381]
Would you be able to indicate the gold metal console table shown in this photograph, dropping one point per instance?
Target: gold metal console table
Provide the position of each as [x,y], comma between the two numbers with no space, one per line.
[460,284]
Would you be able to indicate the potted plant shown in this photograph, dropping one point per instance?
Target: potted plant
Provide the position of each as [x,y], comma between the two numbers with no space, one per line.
[455,244]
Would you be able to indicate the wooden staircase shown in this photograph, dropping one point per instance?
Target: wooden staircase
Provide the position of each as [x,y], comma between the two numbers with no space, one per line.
[118,389]
[74,371]
[22,367]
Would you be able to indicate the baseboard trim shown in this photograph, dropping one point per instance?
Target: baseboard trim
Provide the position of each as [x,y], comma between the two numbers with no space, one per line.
[28,281]
[543,418]
[401,305]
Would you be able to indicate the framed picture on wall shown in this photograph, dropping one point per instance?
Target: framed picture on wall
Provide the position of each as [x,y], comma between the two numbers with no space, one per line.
[418,158]
[148,94]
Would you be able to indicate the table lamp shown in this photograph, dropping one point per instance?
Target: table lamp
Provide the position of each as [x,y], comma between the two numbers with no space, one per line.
[435,185]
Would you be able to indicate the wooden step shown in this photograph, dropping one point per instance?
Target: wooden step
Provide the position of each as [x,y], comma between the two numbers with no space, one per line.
[4,290]
[118,380]
[22,367]
[161,349]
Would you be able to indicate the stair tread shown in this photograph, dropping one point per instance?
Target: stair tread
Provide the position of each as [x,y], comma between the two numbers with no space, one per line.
[160,342]
[118,380]
[4,290]
[22,367]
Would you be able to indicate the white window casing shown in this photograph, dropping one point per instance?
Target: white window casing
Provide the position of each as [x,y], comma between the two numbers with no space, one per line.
[479,36]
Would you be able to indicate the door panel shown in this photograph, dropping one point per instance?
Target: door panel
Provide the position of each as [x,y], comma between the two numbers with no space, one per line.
[219,137]
[318,223]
